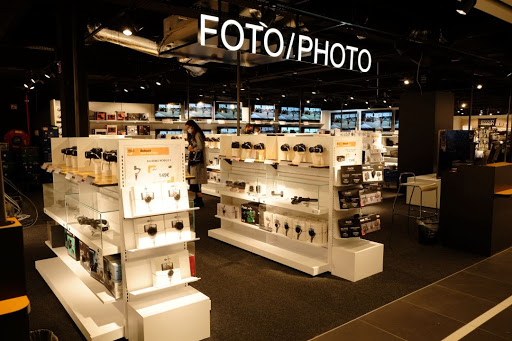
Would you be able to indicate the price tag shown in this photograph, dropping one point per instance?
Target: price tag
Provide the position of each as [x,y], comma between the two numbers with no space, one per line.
[58,170]
[89,179]
[44,165]
[69,176]
[49,169]
[269,162]
[249,160]
[79,178]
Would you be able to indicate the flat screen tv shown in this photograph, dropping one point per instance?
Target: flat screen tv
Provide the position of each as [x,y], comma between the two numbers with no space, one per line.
[376,120]
[226,130]
[161,133]
[289,114]
[169,110]
[309,130]
[200,110]
[267,129]
[290,130]
[207,131]
[264,112]
[344,120]
[225,111]
[312,114]
[397,116]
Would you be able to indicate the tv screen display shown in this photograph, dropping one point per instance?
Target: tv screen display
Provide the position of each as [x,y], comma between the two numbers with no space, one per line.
[312,114]
[344,120]
[225,111]
[380,120]
[397,114]
[169,110]
[262,112]
[267,129]
[290,130]
[207,131]
[226,130]
[289,114]
[309,130]
[161,133]
[200,110]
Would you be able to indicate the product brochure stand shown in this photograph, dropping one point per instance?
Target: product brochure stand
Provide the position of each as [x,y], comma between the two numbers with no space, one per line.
[148,227]
[294,193]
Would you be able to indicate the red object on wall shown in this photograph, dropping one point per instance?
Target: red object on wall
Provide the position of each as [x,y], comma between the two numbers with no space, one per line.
[17,138]
[192,259]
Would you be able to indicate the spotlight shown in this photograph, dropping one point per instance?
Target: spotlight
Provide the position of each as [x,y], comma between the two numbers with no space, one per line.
[47,75]
[257,98]
[158,83]
[31,88]
[200,95]
[464,6]
[125,90]
[351,97]
[345,104]
[308,101]
[406,82]
[25,85]
[325,99]
[366,102]
[242,89]
[389,106]
[127,32]
[463,105]
[384,101]
[313,92]
[283,95]
[143,87]
[32,80]
[479,86]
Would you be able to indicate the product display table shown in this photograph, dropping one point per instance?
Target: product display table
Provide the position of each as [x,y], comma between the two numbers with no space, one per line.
[99,180]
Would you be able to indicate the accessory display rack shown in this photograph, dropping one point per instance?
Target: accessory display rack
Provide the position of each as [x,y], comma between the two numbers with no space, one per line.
[299,189]
[146,218]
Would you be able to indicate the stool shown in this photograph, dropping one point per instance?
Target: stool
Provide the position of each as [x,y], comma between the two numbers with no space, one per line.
[422,187]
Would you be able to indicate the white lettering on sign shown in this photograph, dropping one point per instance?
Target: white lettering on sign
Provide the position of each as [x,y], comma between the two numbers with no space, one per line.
[336,54]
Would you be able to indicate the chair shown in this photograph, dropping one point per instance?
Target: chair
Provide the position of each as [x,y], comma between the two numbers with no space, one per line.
[421,186]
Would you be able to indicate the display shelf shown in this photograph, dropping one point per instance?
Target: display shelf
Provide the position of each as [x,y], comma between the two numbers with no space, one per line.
[313,209]
[152,290]
[168,212]
[241,223]
[107,248]
[214,168]
[294,260]
[156,250]
[94,286]
[57,214]
[238,195]
[390,159]
[96,321]
[99,180]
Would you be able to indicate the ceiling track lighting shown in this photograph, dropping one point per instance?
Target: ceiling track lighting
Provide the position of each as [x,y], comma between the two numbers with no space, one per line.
[479,86]
[407,82]
[464,6]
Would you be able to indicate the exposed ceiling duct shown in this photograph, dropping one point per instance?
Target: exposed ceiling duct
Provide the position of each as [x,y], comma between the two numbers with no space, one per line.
[147,46]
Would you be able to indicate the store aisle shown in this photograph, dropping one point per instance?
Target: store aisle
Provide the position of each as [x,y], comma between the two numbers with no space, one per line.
[473,304]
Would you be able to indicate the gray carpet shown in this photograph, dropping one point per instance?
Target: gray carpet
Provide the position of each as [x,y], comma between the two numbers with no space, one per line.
[257,299]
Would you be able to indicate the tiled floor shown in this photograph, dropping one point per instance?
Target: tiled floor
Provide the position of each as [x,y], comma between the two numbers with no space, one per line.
[438,310]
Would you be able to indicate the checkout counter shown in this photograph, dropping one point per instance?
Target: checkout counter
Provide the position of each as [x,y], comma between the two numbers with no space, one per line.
[476,208]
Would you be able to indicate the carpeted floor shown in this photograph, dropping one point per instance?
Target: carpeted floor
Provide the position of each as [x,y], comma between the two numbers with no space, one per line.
[257,299]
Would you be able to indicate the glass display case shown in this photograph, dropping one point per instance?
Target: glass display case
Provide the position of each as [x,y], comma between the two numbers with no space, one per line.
[244,186]
[54,196]
[94,219]
[297,194]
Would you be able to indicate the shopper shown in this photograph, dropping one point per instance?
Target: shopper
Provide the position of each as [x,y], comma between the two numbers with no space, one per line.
[257,130]
[196,160]
[249,129]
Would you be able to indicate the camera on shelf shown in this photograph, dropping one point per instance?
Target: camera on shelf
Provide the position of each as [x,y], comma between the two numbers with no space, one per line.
[285,147]
[316,149]
[297,200]
[151,229]
[301,148]
[110,156]
[235,144]
[147,196]
[178,225]
[247,145]
[97,224]
[259,146]
[176,194]
[93,154]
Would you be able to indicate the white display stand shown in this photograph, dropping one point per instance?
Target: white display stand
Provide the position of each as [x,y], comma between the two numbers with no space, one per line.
[143,309]
[429,198]
[274,182]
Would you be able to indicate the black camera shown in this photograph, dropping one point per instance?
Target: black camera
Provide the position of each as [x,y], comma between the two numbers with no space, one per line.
[110,156]
[259,146]
[285,147]
[301,147]
[94,153]
[247,145]
[316,149]
[235,145]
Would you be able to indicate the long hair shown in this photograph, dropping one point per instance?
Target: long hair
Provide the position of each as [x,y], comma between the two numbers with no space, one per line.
[196,130]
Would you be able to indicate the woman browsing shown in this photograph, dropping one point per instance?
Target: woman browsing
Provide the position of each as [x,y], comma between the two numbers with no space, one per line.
[196,160]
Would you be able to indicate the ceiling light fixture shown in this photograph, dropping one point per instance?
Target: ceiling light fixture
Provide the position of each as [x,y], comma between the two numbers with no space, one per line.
[25,85]
[143,87]
[366,102]
[32,80]
[158,83]
[407,82]
[325,99]
[257,98]
[313,92]
[283,95]
[47,75]
[463,105]
[242,89]
[127,32]
[384,101]
[479,86]
[308,101]
[351,97]
[464,6]
[345,104]
[125,90]
[31,88]
[389,106]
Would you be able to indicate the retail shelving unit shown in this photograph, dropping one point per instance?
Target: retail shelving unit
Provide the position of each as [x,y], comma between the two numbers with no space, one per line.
[297,197]
[137,209]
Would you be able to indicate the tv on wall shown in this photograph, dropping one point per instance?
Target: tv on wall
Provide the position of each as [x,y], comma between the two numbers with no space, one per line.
[310,130]
[312,114]
[267,129]
[226,130]
[263,112]
[169,110]
[289,114]
[200,110]
[161,133]
[376,120]
[225,111]
[290,130]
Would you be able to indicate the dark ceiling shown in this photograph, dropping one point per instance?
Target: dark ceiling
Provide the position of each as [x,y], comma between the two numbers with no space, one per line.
[426,42]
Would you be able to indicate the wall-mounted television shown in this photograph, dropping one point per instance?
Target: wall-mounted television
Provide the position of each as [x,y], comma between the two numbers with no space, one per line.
[310,130]
[200,110]
[161,133]
[169,110]
[344,120]
[376,120]
[226,130]
[267,129]
[397,114]
[289,114]
[207,131]
[290,130]
[312,114]
[225,111]
[263,112]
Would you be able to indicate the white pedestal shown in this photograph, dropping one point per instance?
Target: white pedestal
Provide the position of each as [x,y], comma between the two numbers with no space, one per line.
[184,315]
[355,259]
[429,198]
